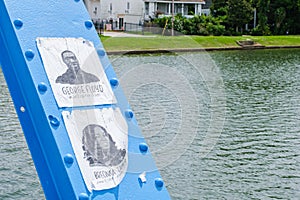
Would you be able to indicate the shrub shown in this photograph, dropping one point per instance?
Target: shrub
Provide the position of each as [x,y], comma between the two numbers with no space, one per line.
[261,31]
[198,25]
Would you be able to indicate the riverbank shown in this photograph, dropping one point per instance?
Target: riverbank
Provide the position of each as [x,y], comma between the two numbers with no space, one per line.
[122,43]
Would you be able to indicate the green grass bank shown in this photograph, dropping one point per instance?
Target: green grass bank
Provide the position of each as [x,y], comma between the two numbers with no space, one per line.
[153,43]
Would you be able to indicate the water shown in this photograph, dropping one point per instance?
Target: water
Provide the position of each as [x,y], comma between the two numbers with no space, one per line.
[18,176]
[228,126]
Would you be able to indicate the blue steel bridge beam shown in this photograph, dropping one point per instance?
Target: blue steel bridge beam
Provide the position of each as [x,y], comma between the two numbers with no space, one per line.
[21,23]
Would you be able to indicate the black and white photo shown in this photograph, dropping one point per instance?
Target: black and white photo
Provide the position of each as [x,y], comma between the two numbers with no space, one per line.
[75,73]
[99,138]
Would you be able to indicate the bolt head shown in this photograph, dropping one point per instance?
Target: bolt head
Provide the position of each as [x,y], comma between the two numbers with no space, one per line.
[42,87]
[129,114]
[143,147]
[114,82]
[88,24]
[29,54]
[68,159]
[18,23]
[83,196]
[53,120]
[159,183]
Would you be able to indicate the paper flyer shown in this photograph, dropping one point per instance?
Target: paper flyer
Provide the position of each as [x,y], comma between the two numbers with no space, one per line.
[75,72]
[99,138]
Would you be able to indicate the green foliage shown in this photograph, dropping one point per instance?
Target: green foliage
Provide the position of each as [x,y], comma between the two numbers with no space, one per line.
[219,8]
[198,25]
[283,17]
[273,16]
[228,17]
[234,14]
[279,17]
[239,13]
[259,30]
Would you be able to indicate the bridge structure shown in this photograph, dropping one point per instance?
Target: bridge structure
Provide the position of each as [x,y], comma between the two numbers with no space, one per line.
[79,127]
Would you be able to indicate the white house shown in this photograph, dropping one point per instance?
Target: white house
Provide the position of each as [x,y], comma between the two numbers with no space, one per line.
[184,7]
[117,12]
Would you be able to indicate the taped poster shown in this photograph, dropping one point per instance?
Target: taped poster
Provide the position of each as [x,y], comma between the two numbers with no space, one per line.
[75,73]
[99,138]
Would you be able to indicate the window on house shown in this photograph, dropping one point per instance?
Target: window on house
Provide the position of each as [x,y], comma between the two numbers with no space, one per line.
[128,5]
[110,7]
[190,9]
[147,8]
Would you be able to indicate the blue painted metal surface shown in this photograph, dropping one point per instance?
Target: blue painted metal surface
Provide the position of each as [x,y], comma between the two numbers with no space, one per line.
[21,22]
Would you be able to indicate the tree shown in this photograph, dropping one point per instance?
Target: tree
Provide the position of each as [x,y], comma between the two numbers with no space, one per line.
[284,16]
[279,16]
[240,12]
[263,9]
[219,8]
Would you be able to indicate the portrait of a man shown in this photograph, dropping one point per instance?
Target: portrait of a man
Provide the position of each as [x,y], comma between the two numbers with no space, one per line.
[74,75]
[99,147]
